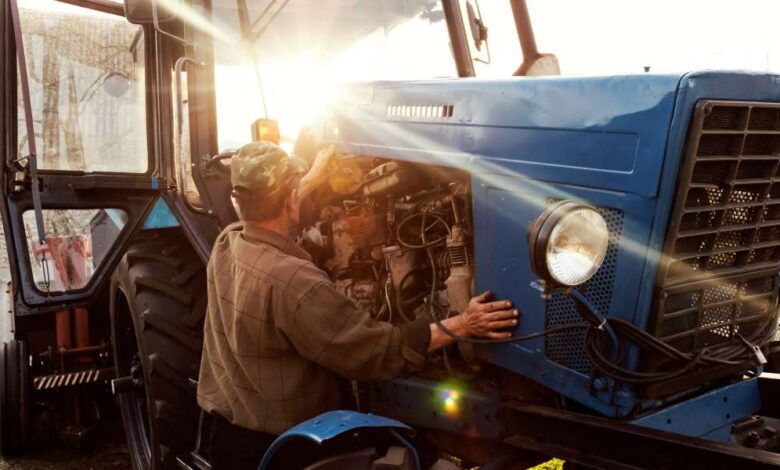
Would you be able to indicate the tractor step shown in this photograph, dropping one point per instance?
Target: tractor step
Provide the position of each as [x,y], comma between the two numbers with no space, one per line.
[72,379]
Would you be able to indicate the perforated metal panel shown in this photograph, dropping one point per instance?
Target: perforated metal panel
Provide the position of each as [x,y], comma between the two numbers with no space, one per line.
[567,348]
[712,312]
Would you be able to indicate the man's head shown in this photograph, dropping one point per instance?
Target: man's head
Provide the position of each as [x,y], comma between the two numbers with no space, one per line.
[265,180]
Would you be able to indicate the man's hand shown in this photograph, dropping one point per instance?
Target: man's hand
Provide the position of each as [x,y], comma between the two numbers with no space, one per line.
[318,172]
[482,318]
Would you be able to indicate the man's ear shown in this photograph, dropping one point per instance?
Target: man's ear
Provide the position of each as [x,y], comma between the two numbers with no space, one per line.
[293,201]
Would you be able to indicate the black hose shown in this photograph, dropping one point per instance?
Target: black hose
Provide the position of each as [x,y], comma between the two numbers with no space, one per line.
[425,244]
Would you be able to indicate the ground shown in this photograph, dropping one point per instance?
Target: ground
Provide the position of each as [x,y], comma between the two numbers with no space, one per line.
[108,456]
[104,448]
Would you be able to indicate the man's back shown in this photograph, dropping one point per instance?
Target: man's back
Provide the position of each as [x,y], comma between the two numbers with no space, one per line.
[276,331]
[250,373]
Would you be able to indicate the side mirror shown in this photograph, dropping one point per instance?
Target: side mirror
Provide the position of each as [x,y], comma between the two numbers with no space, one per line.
[117,84]
[479,32]
[266,129]
[142,12]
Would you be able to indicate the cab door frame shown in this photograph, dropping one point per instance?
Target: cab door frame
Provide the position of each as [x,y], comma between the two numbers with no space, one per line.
[133,193]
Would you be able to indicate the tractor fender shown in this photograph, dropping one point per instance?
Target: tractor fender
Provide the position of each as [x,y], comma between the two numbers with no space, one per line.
[332,424]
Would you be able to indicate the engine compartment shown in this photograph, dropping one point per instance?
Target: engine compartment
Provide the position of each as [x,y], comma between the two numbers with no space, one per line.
[395,237]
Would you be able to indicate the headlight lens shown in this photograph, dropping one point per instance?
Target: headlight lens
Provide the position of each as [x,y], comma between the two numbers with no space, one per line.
[568,243]
[577,246]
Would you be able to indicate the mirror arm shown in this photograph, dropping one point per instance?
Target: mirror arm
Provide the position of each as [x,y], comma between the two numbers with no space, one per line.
[158,28]
[183,179]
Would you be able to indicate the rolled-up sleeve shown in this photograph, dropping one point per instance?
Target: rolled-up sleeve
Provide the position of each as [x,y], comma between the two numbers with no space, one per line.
[328,329]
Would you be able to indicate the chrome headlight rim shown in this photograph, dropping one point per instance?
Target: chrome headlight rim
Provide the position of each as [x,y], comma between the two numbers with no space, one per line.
[539,239]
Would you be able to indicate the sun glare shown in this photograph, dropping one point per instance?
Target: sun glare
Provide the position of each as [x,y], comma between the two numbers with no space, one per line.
[297,89]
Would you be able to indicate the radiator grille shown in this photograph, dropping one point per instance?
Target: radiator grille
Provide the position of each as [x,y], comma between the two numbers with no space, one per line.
[727,213]
[707,313]
[717,277]
[567,348]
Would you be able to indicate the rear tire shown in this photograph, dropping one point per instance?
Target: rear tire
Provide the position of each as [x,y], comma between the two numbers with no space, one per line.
[158,302]
[15,388]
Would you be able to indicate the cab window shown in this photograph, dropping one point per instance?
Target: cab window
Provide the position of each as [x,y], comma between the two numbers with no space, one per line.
[85,70]
[77,241]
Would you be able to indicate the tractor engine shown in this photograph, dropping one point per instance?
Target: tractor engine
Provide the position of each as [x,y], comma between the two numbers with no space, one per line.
[395,237]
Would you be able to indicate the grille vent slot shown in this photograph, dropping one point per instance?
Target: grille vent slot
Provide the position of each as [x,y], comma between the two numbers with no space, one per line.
[419,111]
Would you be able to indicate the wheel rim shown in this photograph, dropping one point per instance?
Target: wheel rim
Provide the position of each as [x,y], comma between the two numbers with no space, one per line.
[132,403]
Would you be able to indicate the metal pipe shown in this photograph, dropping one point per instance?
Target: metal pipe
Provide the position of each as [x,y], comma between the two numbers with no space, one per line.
[458,39]
[88,349]
[62,329]
[158,28]
[525,32]
[254,37]
[81,325]
[183,178]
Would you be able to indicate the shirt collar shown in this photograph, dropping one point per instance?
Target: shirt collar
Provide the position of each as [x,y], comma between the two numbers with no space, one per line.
[277,240]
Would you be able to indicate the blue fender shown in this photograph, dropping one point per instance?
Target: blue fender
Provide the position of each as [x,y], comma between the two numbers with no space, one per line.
[332,424]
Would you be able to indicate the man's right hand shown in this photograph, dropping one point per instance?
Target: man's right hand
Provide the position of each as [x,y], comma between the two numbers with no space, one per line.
[483,317]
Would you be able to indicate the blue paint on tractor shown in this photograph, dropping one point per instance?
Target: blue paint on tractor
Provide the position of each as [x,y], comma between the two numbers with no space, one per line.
[161,216]
[329,425]
[710,415]
[615,142]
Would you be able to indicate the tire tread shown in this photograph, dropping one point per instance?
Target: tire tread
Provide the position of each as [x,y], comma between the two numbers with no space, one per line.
[164,281]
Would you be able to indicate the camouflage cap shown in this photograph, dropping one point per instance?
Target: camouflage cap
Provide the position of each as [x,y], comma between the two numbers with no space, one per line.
[264,169]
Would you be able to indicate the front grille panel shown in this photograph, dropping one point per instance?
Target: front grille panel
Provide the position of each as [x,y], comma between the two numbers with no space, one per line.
[727,213]
[717,278]
[711,312]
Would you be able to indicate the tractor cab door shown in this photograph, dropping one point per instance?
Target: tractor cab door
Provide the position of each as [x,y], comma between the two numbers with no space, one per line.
[78,175]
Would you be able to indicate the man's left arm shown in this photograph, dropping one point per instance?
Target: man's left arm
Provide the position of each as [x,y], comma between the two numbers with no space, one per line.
[327,329]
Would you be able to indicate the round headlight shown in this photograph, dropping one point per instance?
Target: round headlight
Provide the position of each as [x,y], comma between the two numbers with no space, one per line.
[568,243]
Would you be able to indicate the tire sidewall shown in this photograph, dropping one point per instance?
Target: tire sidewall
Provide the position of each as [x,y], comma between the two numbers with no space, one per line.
[142,456]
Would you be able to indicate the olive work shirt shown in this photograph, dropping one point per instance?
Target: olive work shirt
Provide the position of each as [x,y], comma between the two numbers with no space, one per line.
[277,333]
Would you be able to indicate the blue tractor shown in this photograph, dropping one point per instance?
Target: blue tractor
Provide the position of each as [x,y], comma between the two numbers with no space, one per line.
[634,220]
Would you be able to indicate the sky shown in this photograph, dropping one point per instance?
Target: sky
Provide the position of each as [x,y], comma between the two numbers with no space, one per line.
[594,37]
[623,36]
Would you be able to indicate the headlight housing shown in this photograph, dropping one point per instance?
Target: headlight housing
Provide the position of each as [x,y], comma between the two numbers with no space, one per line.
[568,243]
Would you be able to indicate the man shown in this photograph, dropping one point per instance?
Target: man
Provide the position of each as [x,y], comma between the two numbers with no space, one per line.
[277,333]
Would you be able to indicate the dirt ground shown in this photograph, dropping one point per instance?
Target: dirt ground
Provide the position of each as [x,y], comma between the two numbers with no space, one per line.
[107,456]
[104,448]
